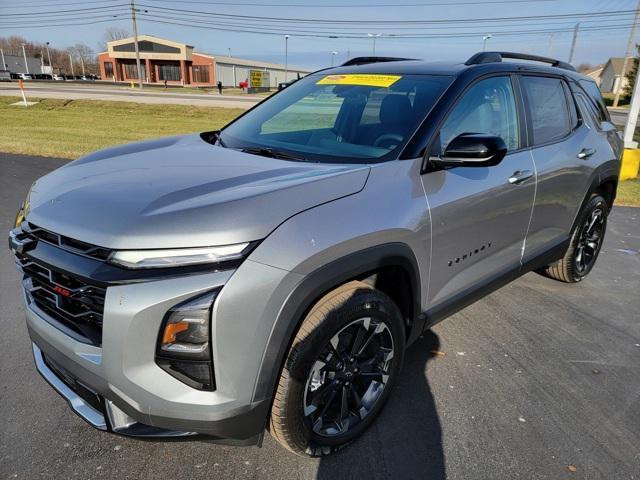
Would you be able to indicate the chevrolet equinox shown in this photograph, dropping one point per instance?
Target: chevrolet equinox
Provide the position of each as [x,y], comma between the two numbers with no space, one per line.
[269,276]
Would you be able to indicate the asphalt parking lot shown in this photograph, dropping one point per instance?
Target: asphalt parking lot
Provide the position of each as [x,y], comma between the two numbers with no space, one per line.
[538,380]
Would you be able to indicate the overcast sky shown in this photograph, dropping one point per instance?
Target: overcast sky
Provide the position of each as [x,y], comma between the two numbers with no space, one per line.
[593,46]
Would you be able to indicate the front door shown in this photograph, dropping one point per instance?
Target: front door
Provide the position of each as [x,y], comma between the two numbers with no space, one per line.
[479,215]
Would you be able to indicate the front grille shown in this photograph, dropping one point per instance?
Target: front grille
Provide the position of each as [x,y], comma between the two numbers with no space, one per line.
[66,243]
[76,305]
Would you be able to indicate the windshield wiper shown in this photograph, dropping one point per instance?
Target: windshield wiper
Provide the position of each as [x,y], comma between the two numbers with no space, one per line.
[273,153]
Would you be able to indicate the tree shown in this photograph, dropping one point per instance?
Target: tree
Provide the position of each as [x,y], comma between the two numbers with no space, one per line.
[111,34]
[632,73]
[584,67]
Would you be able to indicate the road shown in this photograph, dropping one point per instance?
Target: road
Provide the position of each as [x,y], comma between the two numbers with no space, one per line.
[74,91]
[536,380]
[619,116]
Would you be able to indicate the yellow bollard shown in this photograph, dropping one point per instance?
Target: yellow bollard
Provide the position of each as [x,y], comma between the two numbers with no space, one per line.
[132,86]
[630,163]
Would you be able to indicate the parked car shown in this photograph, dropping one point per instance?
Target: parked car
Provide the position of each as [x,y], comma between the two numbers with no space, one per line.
[272,274]
[59,77]
[43,76]
[25,76]
[5,76]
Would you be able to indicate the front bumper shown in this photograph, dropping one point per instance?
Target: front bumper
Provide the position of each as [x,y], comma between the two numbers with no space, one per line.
[135,396]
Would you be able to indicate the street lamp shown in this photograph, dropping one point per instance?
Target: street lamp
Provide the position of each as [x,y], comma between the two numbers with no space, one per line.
[484,41]
[373,36]
[49,56]
[333,54]
[229,49]
[286,57]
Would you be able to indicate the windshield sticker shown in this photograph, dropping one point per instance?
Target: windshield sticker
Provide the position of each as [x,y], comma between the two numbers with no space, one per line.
[365,80]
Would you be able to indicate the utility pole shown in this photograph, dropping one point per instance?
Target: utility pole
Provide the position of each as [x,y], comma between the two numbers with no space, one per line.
[573,42]
[627,54]
[135,41]
[4,65]
[49,57]
[71,64]
[286,57]
[632,118]
[24,54]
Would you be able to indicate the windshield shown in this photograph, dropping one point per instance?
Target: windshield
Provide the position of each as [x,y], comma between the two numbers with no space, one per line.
[339,118]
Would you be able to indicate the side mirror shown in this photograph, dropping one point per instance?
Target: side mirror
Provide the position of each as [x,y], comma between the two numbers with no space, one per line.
[472,150]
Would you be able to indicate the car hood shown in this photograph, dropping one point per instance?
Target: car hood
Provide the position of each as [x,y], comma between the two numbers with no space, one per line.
[182,192]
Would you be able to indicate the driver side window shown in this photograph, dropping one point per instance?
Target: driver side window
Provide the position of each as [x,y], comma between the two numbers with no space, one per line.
[487,107]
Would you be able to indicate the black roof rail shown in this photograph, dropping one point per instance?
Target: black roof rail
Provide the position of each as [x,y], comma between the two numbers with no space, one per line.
[364,60]
[492,57]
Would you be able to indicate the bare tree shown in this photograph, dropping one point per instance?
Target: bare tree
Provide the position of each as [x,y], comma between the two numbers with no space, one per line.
[111,34]
[585,67]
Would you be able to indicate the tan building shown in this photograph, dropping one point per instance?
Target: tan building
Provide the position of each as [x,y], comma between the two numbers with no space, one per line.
[611,78]
[178,64]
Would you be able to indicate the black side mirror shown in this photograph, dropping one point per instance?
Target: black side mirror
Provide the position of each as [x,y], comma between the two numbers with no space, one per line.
[472,150]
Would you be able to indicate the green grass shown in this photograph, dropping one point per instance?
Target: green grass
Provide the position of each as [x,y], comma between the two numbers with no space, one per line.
[71,128]
[629,193]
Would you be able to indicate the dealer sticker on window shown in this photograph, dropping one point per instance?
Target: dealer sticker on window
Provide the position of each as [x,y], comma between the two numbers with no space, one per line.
[365,80]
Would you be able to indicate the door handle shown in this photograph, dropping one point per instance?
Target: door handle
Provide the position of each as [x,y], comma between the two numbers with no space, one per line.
[520,176]
[585,153]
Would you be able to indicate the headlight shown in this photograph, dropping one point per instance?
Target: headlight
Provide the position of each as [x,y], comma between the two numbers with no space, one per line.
[23,211]
[177,257]
[184,346]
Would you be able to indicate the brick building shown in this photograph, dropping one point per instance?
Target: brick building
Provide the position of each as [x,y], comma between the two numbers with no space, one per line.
[176,63]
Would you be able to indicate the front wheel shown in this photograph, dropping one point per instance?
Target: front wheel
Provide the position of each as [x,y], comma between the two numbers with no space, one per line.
[339,370]
[585,245]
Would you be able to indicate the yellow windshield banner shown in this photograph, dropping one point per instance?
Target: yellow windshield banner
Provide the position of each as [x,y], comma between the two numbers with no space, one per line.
[363,79]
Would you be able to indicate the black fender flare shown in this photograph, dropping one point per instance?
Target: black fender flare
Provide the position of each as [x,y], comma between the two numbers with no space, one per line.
[315,285]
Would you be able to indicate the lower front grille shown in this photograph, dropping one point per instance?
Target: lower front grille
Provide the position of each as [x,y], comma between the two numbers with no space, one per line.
[84,392]
[75,305]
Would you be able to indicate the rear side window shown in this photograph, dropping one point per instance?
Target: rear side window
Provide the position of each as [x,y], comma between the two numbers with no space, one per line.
[596,97]
[550,115]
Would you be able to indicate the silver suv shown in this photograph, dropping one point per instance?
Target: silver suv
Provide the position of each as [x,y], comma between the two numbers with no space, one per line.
[270,275]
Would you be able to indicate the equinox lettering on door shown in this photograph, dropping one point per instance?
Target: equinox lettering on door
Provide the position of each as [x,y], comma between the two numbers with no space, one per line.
[478,250]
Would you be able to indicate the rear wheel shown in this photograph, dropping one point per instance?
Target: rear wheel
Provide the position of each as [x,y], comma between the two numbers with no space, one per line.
[339,370]
[585,245]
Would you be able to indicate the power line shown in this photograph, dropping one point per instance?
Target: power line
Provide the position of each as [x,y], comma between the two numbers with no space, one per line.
[342,5]
[387,21]
[76,10]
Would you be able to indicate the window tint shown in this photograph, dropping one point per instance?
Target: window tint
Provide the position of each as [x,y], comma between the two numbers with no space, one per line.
[594,93]
[589,111]
[550,115]
[487,107]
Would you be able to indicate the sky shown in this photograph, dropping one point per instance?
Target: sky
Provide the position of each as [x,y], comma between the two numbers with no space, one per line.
[454,29]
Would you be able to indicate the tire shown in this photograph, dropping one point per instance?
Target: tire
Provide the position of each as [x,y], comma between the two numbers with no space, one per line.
[572,267]
[296,420]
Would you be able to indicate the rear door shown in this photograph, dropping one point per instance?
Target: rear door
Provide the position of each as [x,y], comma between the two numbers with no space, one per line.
[479,215]
[562,149]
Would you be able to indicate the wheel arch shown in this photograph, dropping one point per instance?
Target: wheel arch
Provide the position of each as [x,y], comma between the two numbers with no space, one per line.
[373,264]
[604,181]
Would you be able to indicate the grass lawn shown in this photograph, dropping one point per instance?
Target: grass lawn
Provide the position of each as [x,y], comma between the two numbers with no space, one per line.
[71,128]
[629,193]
